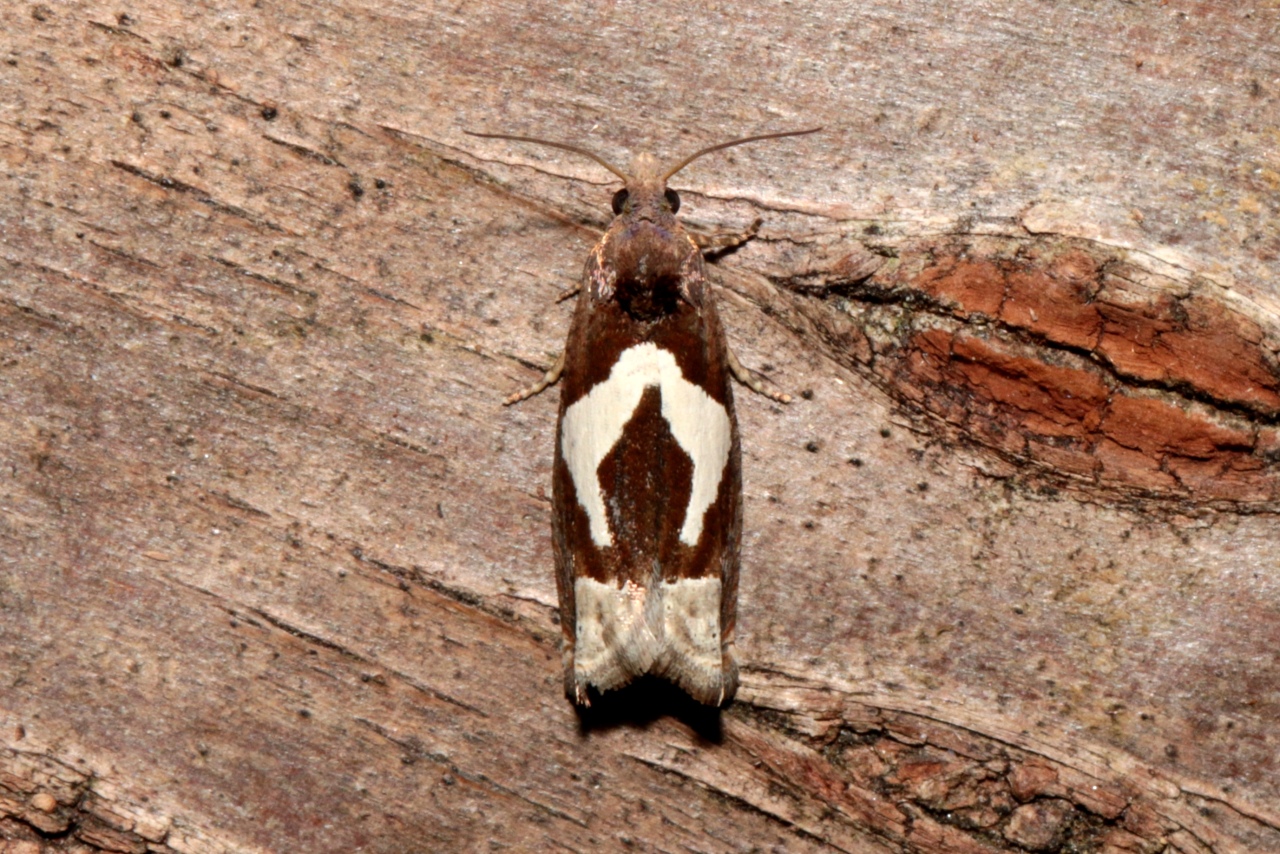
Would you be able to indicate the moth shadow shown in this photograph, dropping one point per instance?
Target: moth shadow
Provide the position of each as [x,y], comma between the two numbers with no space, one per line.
[645,701]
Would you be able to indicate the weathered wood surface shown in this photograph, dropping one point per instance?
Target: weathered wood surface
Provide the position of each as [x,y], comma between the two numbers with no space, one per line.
[275,562]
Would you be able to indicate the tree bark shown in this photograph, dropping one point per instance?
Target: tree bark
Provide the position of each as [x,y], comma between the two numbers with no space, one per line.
[276,561]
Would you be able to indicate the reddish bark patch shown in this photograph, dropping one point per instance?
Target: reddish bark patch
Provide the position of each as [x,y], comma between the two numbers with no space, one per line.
[1090,370]
[1123,466]
[1155,428]
[1049,400]
[1067,299]
[970,286]
[1056,303]
[1194,343]
[1003,389]
[1075,421]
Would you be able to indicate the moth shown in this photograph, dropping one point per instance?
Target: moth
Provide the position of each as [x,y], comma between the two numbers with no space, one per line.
[647,482]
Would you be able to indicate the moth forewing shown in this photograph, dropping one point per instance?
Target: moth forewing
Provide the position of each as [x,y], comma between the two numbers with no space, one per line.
[647,482]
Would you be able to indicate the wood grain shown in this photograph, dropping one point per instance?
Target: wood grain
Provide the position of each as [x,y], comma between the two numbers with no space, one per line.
[275,568]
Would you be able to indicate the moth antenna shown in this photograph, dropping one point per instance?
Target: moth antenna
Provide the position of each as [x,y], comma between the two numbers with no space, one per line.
[566,147]
[731,143]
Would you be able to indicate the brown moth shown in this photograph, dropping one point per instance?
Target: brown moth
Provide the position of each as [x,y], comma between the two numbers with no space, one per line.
[647,484]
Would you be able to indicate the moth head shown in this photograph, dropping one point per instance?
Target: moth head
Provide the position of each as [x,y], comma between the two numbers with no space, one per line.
[645,193]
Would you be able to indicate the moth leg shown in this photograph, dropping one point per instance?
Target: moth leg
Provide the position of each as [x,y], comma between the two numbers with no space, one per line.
[721,241]
[751,381]
[569,294]
[549,379]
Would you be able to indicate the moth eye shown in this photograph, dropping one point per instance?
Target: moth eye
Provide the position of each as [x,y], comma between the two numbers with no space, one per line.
[673,199]
[620,201]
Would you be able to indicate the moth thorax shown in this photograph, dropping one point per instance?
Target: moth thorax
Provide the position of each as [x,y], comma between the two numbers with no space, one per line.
[650,264]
